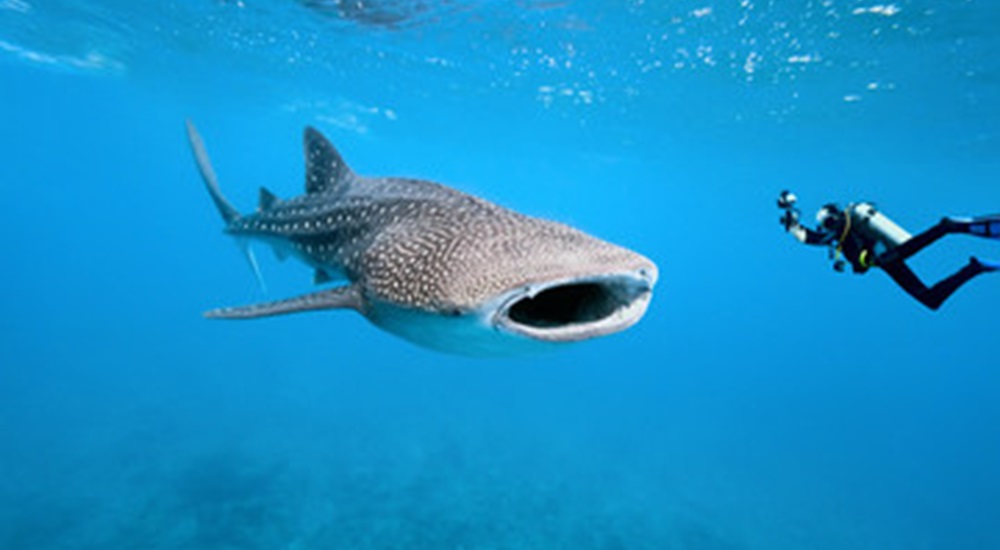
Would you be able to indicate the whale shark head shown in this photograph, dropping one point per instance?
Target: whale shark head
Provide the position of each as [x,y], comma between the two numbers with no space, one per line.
[508,287]
[526,319]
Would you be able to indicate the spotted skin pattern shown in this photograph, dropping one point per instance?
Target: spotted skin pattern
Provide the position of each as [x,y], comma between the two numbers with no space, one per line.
[414,244]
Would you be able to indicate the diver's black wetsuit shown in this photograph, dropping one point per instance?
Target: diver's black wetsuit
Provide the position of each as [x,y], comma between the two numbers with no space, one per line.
[893,261]
[859,249]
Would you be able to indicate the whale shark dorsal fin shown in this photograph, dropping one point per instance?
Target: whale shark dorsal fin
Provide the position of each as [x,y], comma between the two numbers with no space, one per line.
[267,199]
[326,171]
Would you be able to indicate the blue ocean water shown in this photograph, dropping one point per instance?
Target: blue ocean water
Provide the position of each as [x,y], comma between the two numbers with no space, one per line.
[764,402]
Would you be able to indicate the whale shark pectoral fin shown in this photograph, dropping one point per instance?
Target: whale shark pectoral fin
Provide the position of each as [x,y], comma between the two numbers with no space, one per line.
[343,297]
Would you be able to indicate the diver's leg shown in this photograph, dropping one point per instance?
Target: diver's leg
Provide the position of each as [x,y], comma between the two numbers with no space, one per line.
[934,296]
[987,265]
[920,241]
[983,226]
[908,281]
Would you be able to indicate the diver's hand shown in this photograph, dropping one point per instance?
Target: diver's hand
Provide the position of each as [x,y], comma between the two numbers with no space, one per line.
[786,200]
[789,219]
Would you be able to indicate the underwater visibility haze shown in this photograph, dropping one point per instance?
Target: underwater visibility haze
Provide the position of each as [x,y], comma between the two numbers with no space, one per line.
[764,400]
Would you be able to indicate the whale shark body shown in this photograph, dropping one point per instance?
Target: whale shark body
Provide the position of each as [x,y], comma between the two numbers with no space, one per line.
[441,268]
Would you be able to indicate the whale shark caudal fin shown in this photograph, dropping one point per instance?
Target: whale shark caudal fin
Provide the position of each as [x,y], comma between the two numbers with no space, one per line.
[342,297]
[229,212]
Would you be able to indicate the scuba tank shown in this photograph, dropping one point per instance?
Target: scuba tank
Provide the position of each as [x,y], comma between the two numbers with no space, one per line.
[875,227]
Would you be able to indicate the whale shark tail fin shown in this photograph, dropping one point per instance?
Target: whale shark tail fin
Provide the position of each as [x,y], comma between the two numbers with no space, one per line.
[226,209]
[229,212]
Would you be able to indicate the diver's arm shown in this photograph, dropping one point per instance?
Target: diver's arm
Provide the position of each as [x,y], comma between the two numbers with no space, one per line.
[802,233]
[808,236]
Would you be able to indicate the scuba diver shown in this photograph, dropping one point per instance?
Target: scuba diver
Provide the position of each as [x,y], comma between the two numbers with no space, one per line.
[867,238]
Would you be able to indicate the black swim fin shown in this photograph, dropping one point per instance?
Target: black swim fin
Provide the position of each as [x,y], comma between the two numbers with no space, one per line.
[986,265]
[986,226]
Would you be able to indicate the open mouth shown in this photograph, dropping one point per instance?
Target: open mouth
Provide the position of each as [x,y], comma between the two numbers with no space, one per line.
[570,310]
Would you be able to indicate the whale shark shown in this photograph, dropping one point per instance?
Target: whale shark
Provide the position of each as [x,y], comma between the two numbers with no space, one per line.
[438,267]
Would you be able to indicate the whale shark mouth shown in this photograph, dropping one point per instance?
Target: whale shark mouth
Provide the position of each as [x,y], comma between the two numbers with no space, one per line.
[576,309]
